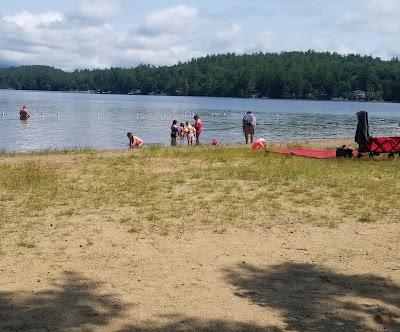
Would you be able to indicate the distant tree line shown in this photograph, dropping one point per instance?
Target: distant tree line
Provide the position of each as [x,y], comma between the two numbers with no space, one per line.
[293,75]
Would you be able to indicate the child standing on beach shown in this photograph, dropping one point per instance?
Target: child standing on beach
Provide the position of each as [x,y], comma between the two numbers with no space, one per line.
[190,132]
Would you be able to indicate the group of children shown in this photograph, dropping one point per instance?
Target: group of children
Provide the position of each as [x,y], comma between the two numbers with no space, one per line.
[191,131]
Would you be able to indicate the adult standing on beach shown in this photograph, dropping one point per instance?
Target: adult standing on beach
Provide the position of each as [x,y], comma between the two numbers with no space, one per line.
[249,126]
[23,113]
[198,125]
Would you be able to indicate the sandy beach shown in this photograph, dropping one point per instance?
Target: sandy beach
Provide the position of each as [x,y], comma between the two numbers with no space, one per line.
[198,239]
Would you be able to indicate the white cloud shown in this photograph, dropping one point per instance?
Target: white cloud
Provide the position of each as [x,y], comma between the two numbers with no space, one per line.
[168,56]
[28,20]
[374,15]
[61,41]
[50,39]
[157,42]
[181,32]
[171,20]
[230,34]
[98,10]
[265,41]
[375,20]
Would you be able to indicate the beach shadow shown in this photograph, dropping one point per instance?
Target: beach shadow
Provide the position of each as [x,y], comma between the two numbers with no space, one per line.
[72,304]
[314,298]
[183,323]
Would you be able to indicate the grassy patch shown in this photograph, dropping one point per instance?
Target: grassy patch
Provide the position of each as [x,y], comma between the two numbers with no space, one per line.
[28,177]
[366,217]
[172,191]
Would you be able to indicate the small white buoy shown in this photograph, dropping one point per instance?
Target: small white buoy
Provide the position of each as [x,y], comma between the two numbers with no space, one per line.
[98,114]
[58,114]
[137,114]
[3,114]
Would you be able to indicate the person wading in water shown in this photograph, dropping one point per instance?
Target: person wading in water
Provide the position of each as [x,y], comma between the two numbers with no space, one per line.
[23,113]
[249,126]
[198,125]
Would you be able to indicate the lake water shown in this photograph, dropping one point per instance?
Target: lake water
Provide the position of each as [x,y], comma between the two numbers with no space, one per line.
[73,120]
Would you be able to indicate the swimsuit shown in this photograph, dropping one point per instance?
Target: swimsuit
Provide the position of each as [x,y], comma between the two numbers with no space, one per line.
[199,127]
[190,132]
[137,141]
[23,115]
[174,131]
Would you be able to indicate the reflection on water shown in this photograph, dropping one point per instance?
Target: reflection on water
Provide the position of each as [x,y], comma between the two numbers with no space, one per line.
[70,120]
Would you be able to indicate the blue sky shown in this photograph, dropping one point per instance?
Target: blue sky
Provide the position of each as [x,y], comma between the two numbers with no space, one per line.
[100,33]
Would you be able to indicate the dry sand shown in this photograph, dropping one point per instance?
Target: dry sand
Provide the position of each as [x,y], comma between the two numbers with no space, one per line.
[291,277]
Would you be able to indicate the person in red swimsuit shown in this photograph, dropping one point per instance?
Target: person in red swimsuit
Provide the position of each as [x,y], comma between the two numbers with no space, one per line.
[198,125]
[134,141]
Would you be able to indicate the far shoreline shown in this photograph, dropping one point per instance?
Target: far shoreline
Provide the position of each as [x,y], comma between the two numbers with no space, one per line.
[216,97]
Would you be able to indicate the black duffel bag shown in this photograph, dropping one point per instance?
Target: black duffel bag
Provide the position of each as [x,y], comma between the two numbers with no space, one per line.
[344,151]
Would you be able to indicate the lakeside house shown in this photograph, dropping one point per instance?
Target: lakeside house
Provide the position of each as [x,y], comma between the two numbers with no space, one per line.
[135,92]
[359,95]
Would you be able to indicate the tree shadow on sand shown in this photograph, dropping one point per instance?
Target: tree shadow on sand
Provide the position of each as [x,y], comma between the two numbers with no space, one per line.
[75,304]
[72,304]
[313,298]
[182,323]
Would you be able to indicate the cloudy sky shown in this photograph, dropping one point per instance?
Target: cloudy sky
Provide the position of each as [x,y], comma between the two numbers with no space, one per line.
[72,34]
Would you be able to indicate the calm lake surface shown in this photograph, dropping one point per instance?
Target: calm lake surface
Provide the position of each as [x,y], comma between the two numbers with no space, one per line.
[74,120]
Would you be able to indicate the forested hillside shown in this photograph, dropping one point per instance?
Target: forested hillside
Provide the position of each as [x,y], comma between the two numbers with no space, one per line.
[307,75]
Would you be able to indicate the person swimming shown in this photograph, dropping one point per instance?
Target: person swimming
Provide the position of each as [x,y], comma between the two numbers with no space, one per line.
[23,113]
